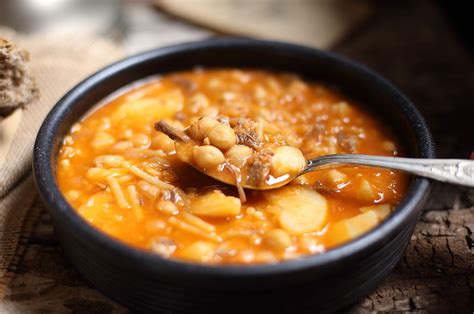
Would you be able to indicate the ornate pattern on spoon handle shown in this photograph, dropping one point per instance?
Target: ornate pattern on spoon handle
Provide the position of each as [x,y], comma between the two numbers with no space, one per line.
[455,171]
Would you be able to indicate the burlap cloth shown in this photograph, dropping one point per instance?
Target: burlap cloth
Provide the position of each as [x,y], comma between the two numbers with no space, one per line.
[57,64]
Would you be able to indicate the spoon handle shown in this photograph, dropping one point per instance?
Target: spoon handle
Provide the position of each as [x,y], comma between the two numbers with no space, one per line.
[456,171]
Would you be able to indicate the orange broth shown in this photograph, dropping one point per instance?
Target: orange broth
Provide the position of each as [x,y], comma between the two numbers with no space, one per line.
[310,116]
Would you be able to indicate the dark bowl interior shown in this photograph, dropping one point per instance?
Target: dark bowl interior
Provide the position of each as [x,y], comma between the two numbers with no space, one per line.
[147,282]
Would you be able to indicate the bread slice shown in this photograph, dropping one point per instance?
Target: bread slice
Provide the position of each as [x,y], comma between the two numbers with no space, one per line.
[17,87]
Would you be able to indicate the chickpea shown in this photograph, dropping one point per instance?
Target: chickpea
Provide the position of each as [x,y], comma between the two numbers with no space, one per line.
[207,157]
[222,136]
[97,175]
[265,257]
[105,124]
[278,239]
[287,160]
[127,134]
[238,154]
[202,127]
[199,251]
[162,141]
[211,111]
[198,102]
[109,161]
[141,140]
[123,146]
[102,140]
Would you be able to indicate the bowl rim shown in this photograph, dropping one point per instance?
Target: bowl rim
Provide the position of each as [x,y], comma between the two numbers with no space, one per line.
[149,262]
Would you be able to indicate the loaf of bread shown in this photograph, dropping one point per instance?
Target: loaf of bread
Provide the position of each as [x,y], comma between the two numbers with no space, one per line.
[17,87]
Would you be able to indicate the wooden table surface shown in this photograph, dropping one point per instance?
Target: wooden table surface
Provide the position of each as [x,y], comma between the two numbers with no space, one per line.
[411,44]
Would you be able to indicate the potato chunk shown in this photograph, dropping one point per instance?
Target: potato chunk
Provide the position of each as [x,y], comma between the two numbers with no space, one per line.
[366,192]
[334,177]
[215,204]
[150,109]
[109,161]
[102,140]
[382,210]
[303,210]
[95,207]
[351,228]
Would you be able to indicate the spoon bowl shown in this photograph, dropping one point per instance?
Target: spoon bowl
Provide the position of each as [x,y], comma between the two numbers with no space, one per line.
[455,171]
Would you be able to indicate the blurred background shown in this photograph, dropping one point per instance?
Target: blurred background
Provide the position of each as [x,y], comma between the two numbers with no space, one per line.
[425,47]
[140,25]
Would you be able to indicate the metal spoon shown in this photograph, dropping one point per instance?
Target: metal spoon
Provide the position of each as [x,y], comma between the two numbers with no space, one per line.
[456,171]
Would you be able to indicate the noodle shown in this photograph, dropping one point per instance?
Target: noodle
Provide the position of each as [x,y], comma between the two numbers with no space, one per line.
[151,179]
[117,191]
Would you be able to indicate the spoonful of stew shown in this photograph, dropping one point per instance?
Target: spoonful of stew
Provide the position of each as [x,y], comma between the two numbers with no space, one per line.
[236,151]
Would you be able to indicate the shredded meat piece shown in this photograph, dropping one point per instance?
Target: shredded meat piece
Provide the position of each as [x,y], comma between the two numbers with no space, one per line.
[324,189]
[174,133]
[259,167]
[347,142]
[246,132]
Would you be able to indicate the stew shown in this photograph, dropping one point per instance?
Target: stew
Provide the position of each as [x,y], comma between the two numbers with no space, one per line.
[130,181]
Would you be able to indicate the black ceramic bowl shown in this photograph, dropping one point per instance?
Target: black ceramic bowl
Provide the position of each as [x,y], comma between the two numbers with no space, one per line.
[147,283]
